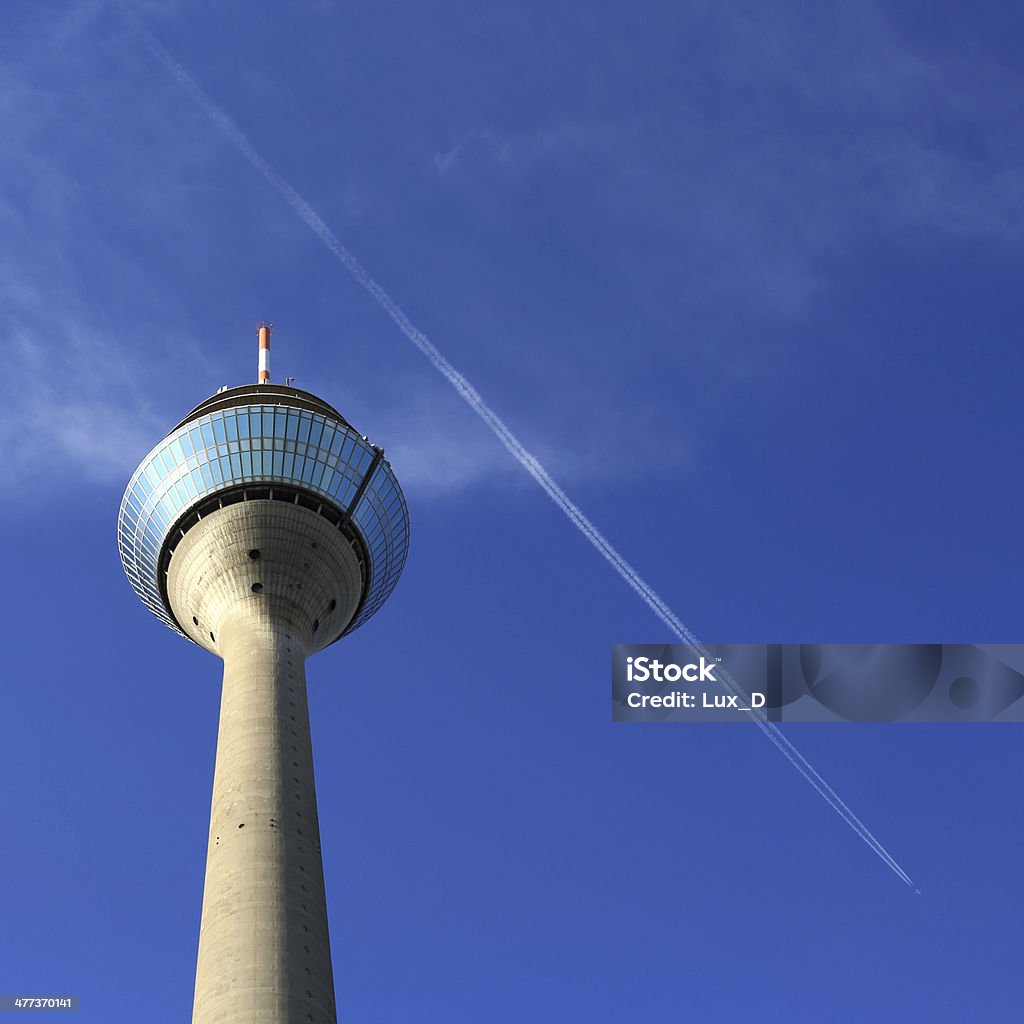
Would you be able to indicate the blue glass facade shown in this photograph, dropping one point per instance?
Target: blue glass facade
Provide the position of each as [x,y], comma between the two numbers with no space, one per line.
[262,444]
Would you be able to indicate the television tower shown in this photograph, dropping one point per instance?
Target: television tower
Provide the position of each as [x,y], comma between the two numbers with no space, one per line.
[263,527]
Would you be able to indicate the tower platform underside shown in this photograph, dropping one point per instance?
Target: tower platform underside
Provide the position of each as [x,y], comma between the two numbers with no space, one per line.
[265,559]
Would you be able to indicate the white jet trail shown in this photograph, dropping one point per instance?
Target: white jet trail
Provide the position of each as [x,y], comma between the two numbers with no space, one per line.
[505,435]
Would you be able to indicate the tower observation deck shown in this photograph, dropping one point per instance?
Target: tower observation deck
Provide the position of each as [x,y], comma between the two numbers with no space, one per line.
[263,527]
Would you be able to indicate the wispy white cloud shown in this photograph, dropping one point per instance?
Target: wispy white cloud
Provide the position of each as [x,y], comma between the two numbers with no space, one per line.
[77,418]
[518,151]
[82,407]
[439,450]
[435,456]
[906,138]
[812,130]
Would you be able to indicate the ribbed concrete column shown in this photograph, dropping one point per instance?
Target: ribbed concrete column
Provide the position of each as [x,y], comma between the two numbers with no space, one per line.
[264,951]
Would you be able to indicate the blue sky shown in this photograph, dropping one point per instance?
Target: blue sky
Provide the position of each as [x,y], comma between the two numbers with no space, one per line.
[744,276]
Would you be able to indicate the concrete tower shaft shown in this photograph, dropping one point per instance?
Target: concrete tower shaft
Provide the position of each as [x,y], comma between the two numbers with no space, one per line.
[264,584]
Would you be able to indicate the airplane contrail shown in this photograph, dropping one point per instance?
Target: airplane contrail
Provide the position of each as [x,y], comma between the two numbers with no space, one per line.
[512,443]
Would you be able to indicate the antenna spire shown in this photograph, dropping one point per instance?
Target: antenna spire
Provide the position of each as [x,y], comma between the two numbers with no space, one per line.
[264,329]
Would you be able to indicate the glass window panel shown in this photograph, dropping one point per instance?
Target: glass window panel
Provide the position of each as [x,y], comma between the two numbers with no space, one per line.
[315,431]
[236,466]
[207,432]
[207,476]
[292,429]
[231,426]
[246,464]
[218,429]
[289,464]
[337,441]
[305,421]
[243,423]
[278,463]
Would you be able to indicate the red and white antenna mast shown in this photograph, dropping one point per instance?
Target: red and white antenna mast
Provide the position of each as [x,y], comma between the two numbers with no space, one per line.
[264,329]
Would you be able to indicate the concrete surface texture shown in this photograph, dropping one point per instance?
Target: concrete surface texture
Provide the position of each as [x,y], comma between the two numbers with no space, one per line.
[263,584]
